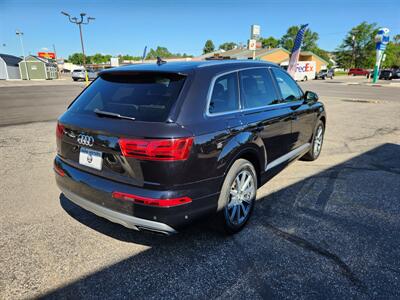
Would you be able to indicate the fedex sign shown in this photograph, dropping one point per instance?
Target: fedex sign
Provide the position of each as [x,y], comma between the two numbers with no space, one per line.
[305,70]
[307,67]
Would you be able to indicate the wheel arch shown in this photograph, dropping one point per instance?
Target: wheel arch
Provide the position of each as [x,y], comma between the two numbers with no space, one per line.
[323,119]
[255,153]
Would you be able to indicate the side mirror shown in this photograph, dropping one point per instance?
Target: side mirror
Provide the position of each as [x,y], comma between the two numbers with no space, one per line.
[310,97]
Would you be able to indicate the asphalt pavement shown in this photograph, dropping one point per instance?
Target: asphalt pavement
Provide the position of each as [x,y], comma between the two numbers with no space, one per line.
[323,229]
[27,104]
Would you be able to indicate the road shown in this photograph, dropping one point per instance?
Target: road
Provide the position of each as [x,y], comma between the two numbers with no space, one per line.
[323,229]
[27,104]
[338,88]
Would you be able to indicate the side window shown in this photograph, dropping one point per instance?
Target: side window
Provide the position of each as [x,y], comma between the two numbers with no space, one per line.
[224,97]
[289,89]
[257,89]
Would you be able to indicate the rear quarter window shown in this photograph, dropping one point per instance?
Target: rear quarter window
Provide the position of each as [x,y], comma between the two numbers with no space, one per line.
[224,97]
[143,96]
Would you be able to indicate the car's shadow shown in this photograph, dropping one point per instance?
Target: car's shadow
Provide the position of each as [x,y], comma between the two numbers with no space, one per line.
[332,235]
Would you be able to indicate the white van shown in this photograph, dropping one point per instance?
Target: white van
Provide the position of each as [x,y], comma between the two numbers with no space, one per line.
[305,70]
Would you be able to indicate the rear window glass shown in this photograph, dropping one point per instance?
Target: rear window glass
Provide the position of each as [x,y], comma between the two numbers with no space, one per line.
[143,96]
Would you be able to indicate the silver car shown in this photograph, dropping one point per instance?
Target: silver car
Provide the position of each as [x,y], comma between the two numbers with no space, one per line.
[80,75]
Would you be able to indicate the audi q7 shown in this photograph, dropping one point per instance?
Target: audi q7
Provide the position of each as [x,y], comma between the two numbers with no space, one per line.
[156,146]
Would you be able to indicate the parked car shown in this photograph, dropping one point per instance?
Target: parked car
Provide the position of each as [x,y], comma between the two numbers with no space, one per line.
[154,147]
[358,71]
[389,74]
[323,74]
[79,74]
[385,74]
[396,74]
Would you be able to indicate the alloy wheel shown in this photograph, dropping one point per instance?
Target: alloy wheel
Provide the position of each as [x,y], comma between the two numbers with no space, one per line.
[319,136]
[241,196]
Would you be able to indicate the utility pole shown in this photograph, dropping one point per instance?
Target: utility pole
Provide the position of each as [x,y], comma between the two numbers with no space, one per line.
[81,22]
[353,37]
[354,50]
[55,57]
[20,34]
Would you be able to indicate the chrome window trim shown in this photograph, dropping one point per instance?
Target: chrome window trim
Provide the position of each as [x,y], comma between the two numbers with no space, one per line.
[211,88]
[273,106]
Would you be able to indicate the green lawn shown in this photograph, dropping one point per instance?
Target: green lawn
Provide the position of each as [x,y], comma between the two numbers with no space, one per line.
[340,73]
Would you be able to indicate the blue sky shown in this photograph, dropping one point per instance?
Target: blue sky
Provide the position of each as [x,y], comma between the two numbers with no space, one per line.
[125,27]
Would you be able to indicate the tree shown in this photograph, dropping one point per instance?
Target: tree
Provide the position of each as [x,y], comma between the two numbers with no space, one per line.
[309,40]
[269,42]
[163,52]
[208,47]
[392,54]
[76,59]
[129,57]
[100,58]
[358,47]
[227,46]
[396,39]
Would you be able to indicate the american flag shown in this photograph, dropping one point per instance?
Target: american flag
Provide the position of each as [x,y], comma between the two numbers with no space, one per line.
[294,57]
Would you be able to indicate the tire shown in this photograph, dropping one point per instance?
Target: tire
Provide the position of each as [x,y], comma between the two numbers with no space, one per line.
[74,79]
[234,212]
[317,141]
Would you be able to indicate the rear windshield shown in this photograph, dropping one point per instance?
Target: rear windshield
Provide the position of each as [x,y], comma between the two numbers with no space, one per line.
[143,96]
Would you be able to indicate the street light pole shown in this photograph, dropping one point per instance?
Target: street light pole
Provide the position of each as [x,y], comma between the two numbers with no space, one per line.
[81,22]
[20,34]
[83,51]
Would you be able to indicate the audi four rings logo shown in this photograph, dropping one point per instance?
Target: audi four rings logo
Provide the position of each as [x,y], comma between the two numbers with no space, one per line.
[85,140]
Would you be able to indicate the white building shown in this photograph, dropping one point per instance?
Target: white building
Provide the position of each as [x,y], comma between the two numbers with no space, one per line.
[9,68]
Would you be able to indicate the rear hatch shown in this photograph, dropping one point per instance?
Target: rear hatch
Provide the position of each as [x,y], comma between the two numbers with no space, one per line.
[120,128]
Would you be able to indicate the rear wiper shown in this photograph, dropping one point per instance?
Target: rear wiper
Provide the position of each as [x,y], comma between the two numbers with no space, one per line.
[112,115]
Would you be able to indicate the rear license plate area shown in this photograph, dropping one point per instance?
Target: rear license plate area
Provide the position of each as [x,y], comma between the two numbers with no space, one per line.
[91,158]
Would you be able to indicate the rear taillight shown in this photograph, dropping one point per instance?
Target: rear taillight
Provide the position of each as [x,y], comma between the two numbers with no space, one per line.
[156,149]
[59,134]
[59,130]
[59,171]
[151,201]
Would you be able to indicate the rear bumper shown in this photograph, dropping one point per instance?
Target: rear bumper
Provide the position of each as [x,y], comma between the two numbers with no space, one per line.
[94,193]
[117,217]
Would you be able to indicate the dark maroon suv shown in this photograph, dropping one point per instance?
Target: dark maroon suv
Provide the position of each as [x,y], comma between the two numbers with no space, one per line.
[156,146]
